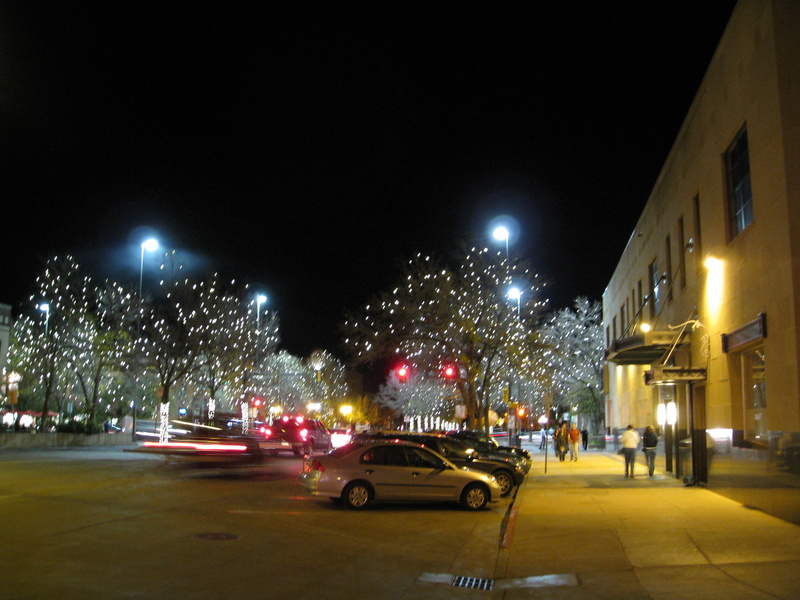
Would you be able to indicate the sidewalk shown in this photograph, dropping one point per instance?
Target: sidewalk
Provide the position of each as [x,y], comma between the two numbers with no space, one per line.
[583,530]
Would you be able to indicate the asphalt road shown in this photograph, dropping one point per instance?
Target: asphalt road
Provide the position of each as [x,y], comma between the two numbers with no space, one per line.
[109,524]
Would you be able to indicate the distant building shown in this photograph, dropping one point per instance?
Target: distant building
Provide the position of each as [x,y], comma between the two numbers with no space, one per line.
[713,267]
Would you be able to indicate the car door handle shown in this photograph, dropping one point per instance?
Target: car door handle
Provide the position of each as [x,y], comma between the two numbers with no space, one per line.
[415,473]
[369,471]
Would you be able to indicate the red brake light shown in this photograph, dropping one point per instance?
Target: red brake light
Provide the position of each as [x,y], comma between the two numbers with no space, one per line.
[304,433]
[315,465]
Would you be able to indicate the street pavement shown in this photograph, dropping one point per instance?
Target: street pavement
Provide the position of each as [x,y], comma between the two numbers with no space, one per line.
[575,530]
[582,530]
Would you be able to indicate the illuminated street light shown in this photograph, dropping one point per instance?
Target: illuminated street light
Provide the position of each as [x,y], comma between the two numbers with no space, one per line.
[151,245]
[260,299]
[515,294]
[45,308]
[502,233]
[347,412]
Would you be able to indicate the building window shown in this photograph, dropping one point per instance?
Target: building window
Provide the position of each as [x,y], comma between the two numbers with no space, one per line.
[655,293]
[639,294]
[682,253]
[740,195]
[697,242]
[754,394]
[668,272]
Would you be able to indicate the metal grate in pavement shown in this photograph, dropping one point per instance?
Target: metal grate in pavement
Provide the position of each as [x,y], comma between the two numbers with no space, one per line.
[473,583]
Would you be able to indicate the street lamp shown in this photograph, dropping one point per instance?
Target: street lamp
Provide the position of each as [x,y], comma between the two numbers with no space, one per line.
[543,420]
[346,411]
[260,299]
[515,294]
[151,245]
[501,233]
[45,308]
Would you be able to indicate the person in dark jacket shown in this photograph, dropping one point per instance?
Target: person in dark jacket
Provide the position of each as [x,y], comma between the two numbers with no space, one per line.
[649,442]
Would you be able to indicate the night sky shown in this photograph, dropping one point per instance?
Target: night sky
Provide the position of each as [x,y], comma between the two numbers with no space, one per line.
[309,148]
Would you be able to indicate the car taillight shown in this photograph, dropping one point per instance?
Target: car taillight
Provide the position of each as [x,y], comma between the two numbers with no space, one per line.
[313,465]
[304,433]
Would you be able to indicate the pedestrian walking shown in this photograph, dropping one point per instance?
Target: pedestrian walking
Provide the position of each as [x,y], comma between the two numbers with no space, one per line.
[560,441]
[630,442]
[585,438]
[649,442]
[574,436]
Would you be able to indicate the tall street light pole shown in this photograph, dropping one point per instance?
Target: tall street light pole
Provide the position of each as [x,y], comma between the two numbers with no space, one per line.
[515,294]
[151,245]
[502,234]
[260,299]
[45,308]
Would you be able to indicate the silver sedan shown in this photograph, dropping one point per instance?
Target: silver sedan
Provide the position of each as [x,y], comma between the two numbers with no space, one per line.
[360,473]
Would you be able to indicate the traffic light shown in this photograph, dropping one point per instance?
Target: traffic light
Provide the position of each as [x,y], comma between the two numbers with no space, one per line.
[402,372]
[450,371]
[256,402]
[521,411]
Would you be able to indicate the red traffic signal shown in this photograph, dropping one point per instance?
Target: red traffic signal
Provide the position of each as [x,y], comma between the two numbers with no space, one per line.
[402,372]
[256,402]
[450,371]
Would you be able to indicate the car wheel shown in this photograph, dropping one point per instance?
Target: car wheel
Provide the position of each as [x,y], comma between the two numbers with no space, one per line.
[505,480]
[475,496]
[357,495]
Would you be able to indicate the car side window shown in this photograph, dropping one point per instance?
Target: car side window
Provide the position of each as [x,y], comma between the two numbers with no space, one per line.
[453,449]
[417,457]
[391,456]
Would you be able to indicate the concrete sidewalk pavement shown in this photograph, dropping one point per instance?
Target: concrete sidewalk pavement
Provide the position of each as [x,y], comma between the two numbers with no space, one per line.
[583,530]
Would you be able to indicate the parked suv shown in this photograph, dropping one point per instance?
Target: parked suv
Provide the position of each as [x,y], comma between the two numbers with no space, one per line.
[508,474]
[298,434]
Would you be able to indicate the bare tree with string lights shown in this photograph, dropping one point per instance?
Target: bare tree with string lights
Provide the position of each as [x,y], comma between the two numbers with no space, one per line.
[440,314]
[171,340]
[574,337]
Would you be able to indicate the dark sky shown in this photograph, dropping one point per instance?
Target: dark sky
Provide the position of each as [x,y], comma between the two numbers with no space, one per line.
[309,148]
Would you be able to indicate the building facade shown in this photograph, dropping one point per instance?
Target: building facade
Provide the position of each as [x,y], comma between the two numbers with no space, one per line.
[702,314]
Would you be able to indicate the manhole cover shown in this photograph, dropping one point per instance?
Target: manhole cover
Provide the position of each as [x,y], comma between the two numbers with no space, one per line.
[216,536]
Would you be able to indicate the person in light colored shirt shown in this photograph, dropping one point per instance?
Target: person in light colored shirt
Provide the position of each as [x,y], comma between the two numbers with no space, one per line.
[630,442]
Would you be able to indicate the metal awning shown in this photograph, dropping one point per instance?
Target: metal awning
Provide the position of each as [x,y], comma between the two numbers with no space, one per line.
[641,349]
[672,375]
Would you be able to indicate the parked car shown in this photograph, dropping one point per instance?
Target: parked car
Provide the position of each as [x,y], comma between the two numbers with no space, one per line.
[508,474]
[487,439]
[360,473]
[296,434]
[487,447]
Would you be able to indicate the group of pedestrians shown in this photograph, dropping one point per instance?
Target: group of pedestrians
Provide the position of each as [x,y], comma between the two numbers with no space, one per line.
[630,444]
[569,440]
